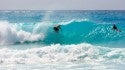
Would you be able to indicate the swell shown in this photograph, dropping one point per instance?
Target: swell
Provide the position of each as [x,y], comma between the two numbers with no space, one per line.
[77,31]
[72,32]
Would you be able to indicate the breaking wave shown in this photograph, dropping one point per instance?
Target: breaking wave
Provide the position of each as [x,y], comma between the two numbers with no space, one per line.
[72,32]
[62,53]
[10,35]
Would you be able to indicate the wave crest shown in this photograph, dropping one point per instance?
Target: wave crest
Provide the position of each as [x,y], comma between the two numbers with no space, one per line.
[10,35]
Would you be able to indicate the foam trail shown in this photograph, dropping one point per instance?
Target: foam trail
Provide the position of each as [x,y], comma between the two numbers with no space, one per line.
[62,53]
[10,35]
[71,21]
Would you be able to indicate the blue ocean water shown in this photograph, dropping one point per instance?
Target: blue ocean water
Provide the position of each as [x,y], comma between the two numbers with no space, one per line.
[28,38]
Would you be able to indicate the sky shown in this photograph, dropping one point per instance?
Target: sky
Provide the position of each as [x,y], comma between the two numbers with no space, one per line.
[62,4]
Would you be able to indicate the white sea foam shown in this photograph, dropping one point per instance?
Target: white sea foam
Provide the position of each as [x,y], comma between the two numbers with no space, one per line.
[10,35]
[73,20]
[62,53]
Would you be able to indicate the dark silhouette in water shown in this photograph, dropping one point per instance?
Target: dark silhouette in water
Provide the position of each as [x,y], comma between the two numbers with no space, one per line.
[57,28]
[115,28]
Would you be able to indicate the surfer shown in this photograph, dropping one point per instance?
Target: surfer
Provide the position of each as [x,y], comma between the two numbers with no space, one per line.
[115,28]
[57,28]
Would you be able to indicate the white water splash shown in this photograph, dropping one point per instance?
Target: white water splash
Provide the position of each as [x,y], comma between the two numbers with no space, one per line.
[10,35]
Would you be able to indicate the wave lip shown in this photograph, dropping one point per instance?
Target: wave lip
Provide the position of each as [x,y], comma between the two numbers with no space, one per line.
[73,20]
[63,53]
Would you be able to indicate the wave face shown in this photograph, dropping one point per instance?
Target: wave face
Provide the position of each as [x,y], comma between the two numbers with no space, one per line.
[76,32]
[93,27]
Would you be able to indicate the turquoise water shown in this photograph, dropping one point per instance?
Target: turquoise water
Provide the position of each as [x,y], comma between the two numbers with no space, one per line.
[86,40]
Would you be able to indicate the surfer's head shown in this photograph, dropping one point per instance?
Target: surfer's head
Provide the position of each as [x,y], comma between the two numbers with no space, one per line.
[56,28]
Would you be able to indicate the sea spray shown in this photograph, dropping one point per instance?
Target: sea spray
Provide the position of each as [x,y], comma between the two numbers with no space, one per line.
[10,35]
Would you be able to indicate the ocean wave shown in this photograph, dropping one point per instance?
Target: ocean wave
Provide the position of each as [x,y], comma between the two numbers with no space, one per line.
[62,53]
[72,32]
[9,34]
[78,31]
